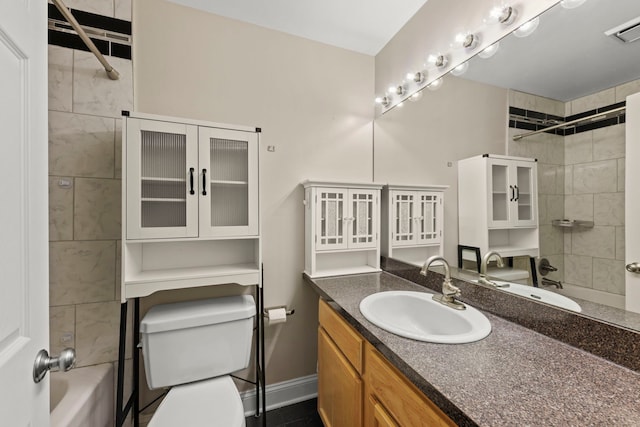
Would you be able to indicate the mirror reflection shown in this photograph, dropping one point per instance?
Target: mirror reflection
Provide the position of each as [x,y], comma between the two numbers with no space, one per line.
[565,71]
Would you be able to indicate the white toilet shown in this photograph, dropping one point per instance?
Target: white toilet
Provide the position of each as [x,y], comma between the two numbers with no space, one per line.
[193,346]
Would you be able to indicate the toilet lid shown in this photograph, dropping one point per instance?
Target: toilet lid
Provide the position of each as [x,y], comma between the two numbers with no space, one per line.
[215,402]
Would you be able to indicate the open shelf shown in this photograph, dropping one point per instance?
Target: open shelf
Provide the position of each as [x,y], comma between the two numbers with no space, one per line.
[156,266]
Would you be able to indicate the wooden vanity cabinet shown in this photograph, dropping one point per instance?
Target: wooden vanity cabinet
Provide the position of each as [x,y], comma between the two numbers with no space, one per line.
[357,386]
[340,388]
[391,400]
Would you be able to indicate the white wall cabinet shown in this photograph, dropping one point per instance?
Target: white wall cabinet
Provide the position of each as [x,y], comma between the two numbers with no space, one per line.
[497,205]
[341,228]
[412,222]
[190,204]
[511,189]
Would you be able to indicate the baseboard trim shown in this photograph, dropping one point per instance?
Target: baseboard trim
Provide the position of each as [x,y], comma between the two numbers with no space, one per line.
[282,394]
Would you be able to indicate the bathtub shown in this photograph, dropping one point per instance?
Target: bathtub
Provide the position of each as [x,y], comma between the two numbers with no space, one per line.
[82,397]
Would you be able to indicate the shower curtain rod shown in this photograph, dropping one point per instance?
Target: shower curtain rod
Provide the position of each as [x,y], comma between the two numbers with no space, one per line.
[111,72]
[582,119]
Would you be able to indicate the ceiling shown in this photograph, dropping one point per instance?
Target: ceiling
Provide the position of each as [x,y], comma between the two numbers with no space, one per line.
[363,26]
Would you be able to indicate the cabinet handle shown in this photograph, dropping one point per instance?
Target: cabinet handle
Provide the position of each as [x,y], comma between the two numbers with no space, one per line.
[204,182]
[191,191]
[517,193]
[513,194]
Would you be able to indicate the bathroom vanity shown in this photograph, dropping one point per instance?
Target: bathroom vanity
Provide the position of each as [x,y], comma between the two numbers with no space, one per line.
[515,376]
[358,386]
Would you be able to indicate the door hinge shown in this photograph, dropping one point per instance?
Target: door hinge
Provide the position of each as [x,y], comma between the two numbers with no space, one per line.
[316,241]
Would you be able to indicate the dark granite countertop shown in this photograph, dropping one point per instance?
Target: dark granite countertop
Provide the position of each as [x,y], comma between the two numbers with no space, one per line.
[514,377]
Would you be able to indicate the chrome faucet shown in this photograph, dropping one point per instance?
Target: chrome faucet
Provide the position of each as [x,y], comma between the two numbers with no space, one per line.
[449,291]
[483,269]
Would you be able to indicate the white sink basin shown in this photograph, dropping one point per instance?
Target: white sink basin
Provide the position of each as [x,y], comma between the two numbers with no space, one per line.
[541,295]
[417,316]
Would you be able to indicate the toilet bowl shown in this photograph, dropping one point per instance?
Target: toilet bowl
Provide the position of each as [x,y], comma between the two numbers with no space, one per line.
[214,403]
[193,347]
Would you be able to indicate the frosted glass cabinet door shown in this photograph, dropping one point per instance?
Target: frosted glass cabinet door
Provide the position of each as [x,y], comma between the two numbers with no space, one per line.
[525,190]
[404,218]
[363,218]
[512,194]
[428,218]
[501,194]
[228,182]
[162,164]
[332,219]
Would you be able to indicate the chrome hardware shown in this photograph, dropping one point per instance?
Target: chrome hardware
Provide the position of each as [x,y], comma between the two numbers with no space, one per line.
[483,269]
[44,363]
[634,267]
[449,290]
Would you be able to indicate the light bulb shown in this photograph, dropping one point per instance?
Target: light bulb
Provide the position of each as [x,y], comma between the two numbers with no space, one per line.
[417,77]
[505,15]
[397,90]
[527,28]
[571,4]
[435,85]
[470,41]
[460,69]
[489,51]
[438,60]
[384,101]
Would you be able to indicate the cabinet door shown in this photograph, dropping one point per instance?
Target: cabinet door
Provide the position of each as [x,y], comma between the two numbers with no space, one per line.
[332,218]
[339,386]
[404,218]
[428,218]
[381,417]
[525,197]
[501,193]
[161,166]
[363,219]
[228,182]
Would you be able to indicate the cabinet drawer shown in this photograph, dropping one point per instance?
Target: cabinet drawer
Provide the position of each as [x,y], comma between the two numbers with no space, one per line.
[346,338]
[401,399]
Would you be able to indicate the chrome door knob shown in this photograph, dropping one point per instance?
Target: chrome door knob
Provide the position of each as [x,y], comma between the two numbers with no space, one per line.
[44,363]
[634,267]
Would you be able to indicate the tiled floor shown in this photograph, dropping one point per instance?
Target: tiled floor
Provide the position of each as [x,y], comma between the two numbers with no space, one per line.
[303,414]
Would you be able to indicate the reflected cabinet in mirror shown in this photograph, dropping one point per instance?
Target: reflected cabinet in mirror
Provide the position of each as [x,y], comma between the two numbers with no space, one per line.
[558,96]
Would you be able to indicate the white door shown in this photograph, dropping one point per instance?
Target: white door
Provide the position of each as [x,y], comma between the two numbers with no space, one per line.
[24,294]
[632,204]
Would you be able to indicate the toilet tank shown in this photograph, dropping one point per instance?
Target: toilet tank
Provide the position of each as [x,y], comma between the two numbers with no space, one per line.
[195,340]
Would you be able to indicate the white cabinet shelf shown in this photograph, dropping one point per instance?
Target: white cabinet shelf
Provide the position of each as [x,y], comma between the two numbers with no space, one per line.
[341,228]
[412,222]
[190,205]
[497,206]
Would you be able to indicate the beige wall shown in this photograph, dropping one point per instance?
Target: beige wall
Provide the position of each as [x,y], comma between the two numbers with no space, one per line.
[421,142]
[313,103]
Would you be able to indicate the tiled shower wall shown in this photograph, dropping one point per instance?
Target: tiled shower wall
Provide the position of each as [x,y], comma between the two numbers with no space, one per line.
[85,195]
[588,186]
[549,150]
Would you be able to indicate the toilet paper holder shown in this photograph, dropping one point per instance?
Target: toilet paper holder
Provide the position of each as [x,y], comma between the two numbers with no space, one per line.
[265,313]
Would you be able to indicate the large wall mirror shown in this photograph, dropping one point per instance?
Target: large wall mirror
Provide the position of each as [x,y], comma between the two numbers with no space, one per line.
[567,68]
